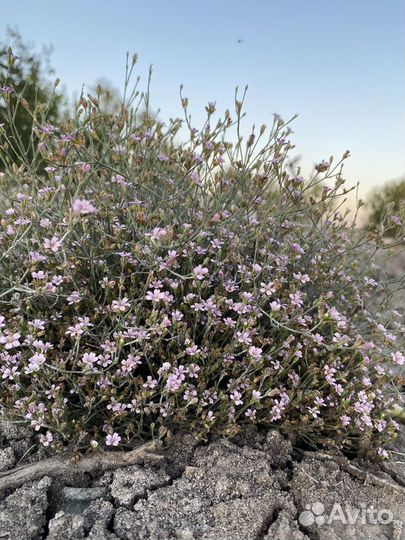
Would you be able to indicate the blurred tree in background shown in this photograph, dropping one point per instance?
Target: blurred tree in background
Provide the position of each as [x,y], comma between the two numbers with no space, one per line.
[25,80]
[387,206]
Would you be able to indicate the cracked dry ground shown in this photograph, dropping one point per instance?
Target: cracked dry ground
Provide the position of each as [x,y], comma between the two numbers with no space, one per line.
[249,488]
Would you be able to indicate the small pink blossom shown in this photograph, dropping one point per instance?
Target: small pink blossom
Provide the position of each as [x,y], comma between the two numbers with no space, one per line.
[120,305]
[256,352]
[398,358]
[53,244]
[155,296]
[193,350]
[74,298]
[38,324]
[10,340]
[46,439]
[113,440]
[35,363]
[84,207]
[236,397]
[200,272]
[89,359]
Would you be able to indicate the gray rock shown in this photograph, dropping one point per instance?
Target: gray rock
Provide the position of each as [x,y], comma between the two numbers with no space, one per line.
[285,528]
[229,493]
[98,532]
[22,514]
[76,500]
[225,490]
[92,523]
[23,449]
[27,450]
[99,512]
[338,498]
[133,483]
[7,459]
[179,454]
[279,449]
[66,527]
[13,431]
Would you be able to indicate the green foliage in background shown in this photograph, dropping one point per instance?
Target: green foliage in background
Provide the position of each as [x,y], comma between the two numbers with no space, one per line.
[390,199]
[28,73]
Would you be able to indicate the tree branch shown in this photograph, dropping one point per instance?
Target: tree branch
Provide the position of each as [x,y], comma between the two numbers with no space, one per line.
[65,464]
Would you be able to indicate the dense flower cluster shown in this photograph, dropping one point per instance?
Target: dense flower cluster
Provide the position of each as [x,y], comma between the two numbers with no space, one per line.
[148,285]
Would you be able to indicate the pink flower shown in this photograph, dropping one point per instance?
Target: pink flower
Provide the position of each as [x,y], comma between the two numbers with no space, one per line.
[35,256]
[119,179]
[112,440]
[267,288]
[82,206]
[85,167]
[210,416]
[74,298]
[244,337]
[89,359]
[120,305]
[193,370]
[383,453]
[128,364]
[275,305]
[200,272]
[174,381]
[398,358]
[318,338]
[155,296]
[158,233]
[196,178]
[46,439]
[177,315]
[345,420]
[255,352]
[192,350]
[37,324]
[297,248]
[10,340]
[150,383]
[35,363]
[396,220]
[303,278]
[52,244]
[251,413]
[236,397]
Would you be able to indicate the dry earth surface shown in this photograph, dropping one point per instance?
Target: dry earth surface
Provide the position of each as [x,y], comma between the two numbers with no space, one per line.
[252,487]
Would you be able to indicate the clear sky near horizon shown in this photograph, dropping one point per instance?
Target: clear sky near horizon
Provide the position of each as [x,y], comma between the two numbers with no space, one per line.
[339,64]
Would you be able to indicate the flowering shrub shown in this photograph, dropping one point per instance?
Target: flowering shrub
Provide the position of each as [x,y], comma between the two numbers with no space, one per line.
[150,285]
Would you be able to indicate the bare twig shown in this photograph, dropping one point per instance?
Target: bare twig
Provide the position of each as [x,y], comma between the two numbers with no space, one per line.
[65,464]
[364,476]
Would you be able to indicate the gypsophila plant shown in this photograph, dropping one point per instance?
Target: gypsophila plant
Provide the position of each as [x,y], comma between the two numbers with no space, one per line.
[153,281]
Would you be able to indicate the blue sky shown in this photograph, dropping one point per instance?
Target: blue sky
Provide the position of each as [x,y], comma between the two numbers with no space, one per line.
[338,63]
